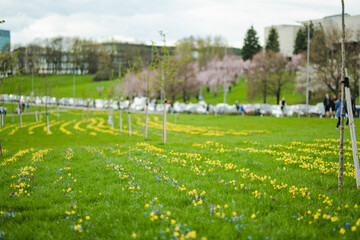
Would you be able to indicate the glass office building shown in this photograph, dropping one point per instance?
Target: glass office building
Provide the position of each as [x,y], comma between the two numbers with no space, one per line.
[4,40]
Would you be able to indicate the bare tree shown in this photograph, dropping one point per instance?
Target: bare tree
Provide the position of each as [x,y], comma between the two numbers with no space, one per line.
[167,68]
[269,74]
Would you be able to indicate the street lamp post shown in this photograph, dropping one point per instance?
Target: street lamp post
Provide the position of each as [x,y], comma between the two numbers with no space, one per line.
[307,67]
[307,64]
[32,79]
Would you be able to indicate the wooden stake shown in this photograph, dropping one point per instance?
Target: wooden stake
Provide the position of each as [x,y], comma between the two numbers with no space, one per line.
[352,129]
[129,123]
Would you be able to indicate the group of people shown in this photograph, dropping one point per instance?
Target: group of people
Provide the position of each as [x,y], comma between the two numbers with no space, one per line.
[333,108]
[329,105]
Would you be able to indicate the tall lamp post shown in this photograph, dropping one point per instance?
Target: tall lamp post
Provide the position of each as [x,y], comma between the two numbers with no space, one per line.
[307,63]
[307,67]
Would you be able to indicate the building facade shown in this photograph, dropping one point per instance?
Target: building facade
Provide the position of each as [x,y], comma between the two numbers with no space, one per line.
[287,33]
[287,36]
[4,40]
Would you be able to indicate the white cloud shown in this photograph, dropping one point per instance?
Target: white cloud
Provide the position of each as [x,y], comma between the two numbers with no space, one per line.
[140,20]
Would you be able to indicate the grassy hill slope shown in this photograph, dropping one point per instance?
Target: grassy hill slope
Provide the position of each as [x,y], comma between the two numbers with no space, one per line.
[62,86]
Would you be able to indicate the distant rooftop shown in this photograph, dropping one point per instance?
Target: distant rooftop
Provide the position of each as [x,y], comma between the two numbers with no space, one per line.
[337,16]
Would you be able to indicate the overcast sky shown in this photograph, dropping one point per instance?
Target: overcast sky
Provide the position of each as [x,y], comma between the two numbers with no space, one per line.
[140,20]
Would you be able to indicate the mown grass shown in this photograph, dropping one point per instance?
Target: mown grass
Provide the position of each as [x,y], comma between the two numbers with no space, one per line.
[62,86]
[128,186]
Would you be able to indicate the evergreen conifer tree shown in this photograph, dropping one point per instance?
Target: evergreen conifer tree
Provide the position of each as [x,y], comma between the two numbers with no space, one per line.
[301,38]
[251,44]
[272,43]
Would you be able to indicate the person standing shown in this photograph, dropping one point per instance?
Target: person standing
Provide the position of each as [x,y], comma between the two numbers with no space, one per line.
[338,111]
[242,110]
[237,106]
[171,107]
[282,104]
[327,104]
[333,110]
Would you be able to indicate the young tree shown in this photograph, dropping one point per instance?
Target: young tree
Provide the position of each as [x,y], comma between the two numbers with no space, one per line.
[85,95]
[187,83]
[325,56]
[257,77]
[110,96]
[353,61]
[46,104]
[118,92]
[251,44]
[129,89]
[167,68]
[6,68]
[213,75]
[147,85]
[281,73]
[272,43]
[269,74]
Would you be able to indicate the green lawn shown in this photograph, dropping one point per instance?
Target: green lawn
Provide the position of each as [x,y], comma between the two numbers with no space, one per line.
[238,92]
[59,86]
[218,177]
[62,86]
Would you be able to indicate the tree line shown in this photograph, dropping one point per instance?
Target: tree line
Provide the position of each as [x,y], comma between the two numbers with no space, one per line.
[210,65]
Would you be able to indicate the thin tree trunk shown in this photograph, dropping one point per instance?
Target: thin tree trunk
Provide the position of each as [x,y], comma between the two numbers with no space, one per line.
[120,121]
[0,148]
[12,110]
[57,110]
[47,118]
[36,116]
[112,118]
[146,120]
[47,123]
[2,114]
[94,108]
[265,92]
[164,120]
[20,116]
[82,116]
[39,114]
[129,122]
[87,114]
[340,183]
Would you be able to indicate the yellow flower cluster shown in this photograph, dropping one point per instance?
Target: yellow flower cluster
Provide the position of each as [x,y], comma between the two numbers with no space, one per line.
[155,123]
[16,156]
[68,154]
[26,175]
[62,127]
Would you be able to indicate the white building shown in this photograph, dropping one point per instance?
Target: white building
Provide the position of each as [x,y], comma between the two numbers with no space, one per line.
[287,33]
[287,36]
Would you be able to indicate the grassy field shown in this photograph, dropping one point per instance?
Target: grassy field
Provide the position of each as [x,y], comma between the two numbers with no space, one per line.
[62,86]
[219,177]
[58,86]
